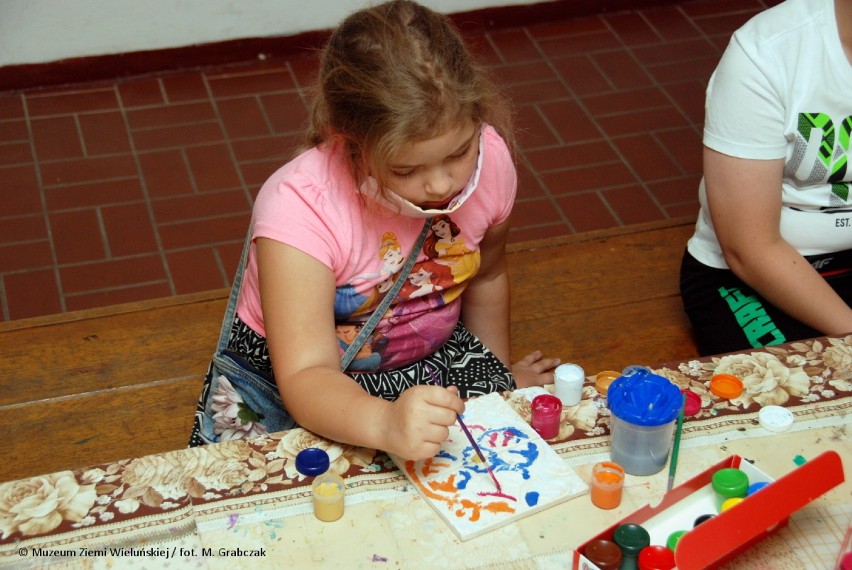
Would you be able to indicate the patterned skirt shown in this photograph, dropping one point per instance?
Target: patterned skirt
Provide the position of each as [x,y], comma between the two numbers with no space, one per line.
[462,361]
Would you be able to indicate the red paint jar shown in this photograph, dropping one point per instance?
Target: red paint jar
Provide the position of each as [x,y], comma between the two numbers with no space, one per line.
[546,413]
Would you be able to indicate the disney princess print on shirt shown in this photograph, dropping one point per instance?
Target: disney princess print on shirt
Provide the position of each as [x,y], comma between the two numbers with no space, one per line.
[426,309]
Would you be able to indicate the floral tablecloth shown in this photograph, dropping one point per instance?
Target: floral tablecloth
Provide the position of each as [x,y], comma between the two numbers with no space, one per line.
[144,511]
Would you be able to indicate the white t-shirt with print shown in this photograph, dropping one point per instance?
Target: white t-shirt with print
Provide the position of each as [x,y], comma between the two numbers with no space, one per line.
[783,88]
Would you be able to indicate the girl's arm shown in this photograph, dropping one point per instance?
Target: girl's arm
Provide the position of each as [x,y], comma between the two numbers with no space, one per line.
[744,198]
[486,307]
[297,296]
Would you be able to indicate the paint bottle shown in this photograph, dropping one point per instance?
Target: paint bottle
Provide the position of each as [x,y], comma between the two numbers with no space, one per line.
[755,487]
[605,554]
[327,489]
[631,539]
[607,484]
[702,518]
[546,414]
[656,557]
[568,380]
[728,483]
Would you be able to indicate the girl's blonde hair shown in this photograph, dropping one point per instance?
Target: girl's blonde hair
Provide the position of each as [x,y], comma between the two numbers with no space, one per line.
[395,73]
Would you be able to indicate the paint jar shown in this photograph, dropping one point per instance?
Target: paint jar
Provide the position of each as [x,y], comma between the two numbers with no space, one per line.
[702,518]
[546,414]
[605,554]
[656,557]
[673,539]
[644,408]
[607,484]
[631,539]
[729,483]
[327,491]
[568,380]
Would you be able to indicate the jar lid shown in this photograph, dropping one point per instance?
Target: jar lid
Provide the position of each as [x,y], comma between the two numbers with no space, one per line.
[775,418]
[631,538]
[726,386]
[702,518]
[644,399]
[312,461]
[603,379]
[693,403]
[656,557]
[730,482]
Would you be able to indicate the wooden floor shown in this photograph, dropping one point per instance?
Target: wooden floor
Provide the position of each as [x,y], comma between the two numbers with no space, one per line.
[603,300]
[104,384]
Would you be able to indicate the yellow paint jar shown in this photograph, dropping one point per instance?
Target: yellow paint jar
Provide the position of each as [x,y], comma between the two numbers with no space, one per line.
[328,491]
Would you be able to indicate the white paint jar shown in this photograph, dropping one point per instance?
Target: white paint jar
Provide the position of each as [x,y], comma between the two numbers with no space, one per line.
[569,380]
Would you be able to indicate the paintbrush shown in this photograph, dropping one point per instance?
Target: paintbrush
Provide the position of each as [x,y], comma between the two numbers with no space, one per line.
[676,446]
[466,431]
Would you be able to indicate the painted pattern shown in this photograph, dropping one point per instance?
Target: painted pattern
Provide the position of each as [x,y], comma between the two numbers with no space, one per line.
[457,484]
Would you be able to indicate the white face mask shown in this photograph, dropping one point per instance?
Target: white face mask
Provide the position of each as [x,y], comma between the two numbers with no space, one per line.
[396,202]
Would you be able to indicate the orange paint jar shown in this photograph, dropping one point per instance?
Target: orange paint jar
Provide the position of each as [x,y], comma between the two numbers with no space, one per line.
[607,484]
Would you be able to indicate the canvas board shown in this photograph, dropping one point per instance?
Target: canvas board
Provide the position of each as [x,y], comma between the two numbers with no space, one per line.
[458,487]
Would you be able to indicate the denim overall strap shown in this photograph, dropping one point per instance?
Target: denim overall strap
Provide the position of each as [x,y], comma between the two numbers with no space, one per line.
[371,323]
[231,309]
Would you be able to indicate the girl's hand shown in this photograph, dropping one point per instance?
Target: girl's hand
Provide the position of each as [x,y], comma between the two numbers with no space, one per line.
[417,423]
[533,370]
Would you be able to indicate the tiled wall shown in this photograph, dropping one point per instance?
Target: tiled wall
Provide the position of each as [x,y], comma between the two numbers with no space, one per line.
[141,187]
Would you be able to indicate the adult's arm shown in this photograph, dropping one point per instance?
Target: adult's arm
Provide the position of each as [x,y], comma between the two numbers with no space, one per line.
[744,199]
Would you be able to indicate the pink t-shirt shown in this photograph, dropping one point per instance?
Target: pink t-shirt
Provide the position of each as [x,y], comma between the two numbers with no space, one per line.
[312,204]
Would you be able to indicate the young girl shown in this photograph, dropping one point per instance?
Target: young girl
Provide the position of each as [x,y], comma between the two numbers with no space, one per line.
[404,127]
